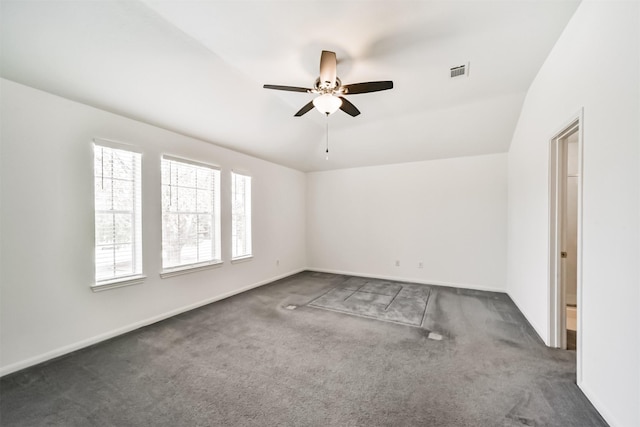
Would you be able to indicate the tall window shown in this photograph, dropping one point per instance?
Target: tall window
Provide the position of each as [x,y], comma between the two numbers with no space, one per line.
[118,214]
[241,216]
[190,214]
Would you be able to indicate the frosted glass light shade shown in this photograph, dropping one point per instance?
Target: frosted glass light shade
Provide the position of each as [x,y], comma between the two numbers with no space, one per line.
[327,103]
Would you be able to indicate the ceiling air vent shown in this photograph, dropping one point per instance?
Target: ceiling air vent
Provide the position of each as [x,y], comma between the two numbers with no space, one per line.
[460,70]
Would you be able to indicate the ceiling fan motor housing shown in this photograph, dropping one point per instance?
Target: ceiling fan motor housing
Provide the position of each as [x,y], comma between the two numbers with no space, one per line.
[327,88]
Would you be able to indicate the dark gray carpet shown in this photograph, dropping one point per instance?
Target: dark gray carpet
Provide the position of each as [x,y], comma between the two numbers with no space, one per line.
[249,360]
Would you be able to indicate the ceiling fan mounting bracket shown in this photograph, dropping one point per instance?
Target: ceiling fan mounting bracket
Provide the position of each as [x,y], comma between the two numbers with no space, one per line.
[323,88]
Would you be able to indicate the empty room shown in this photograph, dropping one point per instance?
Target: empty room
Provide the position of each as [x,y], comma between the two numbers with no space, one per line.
[319,213]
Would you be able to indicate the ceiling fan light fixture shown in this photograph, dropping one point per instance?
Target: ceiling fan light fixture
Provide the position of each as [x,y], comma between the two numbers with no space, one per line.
[327,103]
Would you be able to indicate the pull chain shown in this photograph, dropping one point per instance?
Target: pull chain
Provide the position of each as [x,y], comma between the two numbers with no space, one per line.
[327,150]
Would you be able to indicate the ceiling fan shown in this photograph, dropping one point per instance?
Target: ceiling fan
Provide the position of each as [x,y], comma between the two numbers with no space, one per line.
[330,89]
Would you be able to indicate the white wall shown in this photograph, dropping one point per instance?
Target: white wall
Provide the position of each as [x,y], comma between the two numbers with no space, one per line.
[47,307]
[595,66]
[449,214]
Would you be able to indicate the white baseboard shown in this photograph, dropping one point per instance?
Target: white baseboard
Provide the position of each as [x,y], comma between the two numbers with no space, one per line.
[608,417]
[536,328]
[61,351]
[412,280]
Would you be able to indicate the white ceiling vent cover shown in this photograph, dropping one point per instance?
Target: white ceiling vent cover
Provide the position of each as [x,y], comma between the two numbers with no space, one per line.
[460,70]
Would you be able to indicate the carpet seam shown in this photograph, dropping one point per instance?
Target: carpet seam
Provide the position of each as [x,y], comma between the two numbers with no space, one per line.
[393,299]
[426,306]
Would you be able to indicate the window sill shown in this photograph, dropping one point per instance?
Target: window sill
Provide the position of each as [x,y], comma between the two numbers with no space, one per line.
[170,272]
[118,283]
[241,259]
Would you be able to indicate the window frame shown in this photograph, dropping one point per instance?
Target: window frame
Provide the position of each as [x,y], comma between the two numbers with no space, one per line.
[137,276]
[216,261]
[248,222]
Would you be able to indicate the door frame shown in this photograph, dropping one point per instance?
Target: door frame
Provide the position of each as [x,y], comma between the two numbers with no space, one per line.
[557,156]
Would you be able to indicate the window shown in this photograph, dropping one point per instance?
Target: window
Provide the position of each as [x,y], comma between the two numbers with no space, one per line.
[190,215]
[241,216]
[118,215]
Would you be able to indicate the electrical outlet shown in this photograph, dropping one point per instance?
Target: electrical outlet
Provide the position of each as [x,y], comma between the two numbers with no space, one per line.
[397,263]
[420,265]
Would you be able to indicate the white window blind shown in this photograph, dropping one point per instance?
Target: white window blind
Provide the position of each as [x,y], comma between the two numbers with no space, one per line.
[190,214]
[118,214]
[241,215]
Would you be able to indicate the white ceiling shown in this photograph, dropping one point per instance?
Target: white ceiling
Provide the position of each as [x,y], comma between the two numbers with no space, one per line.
[197,67]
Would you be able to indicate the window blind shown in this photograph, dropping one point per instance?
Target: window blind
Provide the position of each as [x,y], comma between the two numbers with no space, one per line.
[241,215]
[118,213]
[190,213]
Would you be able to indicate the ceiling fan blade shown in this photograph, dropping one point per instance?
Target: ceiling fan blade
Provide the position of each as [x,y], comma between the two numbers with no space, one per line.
[367,87]
[328,66]
[349,108]
[305,109]
[289,88]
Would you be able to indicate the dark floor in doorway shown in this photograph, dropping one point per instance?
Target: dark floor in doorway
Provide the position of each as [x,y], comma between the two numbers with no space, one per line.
[571,340]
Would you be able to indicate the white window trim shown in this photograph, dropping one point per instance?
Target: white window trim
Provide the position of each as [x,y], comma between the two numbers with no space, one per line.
[191,162]
[247,257]
[116,145]
[191,268]
[118,283]
[138,278]
[241,259]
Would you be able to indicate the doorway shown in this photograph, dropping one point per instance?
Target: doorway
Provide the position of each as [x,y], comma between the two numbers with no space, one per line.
[565,236]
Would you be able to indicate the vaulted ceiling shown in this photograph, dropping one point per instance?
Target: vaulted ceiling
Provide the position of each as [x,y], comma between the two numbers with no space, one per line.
[197,68]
